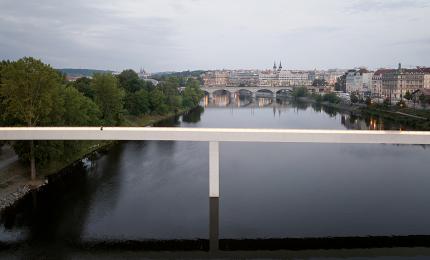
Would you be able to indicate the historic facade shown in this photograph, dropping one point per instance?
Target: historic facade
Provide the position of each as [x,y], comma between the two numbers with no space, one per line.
[395,83]
[216,78]
[359,81]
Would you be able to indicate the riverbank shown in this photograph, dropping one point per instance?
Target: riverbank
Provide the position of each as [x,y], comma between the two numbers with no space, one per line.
[410,118]
[14,175]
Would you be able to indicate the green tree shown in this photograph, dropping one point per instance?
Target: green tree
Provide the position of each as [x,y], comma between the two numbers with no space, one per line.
[368,101]
[300,92]
[319,83]
[157,102]
[331,98]
[79,109]
[423,100]
[83,85]
[340,84]
[28,91]
[170,89]
[192,94]
[137,103]
[354,98]
[109,98]
[408,95]
[318,98]
[130,81]
[386,102]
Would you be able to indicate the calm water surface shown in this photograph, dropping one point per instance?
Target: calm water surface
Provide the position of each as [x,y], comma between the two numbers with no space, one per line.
[159,190]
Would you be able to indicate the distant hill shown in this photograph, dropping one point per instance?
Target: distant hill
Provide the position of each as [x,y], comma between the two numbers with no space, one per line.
[82,72]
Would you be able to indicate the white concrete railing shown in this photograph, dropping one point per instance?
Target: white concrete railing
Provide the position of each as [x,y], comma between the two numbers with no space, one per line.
[214,136]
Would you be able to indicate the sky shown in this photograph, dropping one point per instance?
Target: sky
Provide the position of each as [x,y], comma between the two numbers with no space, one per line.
[176,35]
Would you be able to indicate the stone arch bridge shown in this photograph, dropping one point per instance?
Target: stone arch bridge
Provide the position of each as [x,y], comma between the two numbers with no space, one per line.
[253,90]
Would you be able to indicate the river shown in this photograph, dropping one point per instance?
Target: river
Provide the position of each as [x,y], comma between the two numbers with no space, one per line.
[159,190]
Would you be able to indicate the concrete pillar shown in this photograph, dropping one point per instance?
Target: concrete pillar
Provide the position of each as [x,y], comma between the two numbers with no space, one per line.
[213,224]
[214,169]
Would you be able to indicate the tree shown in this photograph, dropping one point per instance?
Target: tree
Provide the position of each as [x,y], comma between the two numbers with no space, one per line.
[386,102]
[408,95]
[83,85]
[354,98]
[340,84]
[137,103]
[192,94]
[300,92]
[130,81]
[171,92]
[331,98]
[109,97]
[157,102]
[318,98]
[79,109]
[3,122]
[368,101]
[28,91]
[401,104]
[423,100]
[319,83]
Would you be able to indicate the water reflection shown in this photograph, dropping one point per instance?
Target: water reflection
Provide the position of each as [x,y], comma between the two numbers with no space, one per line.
[281,104]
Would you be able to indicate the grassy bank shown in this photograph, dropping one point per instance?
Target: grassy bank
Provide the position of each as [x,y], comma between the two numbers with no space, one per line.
[412,118]
[147,120]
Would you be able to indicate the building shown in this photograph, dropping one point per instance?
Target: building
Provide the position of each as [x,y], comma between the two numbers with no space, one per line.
[426,72]
[395,83]
[283,78]
[293,78]
[218,78]
[330,76]
[376,89]
[244,78]
[143,74]
[359,81]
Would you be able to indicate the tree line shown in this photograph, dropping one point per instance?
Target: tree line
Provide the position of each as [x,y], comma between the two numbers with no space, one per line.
[35,94]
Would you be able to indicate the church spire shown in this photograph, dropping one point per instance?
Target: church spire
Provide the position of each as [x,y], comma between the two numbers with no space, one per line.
[280,66]
[274,65]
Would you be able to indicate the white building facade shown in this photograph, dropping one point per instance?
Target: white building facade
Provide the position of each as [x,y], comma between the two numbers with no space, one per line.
[359,82]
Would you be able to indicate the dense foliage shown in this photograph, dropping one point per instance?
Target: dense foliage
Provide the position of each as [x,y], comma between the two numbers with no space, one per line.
[34,94]
[300,92]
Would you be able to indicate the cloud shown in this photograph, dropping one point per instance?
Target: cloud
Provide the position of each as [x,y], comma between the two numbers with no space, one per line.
[163,35]
[385,5]
[414,42]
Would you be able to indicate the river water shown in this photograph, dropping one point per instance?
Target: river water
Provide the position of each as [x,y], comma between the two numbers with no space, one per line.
[159,190]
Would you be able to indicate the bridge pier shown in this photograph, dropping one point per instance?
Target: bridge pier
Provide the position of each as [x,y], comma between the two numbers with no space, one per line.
[213,197]
[214,169]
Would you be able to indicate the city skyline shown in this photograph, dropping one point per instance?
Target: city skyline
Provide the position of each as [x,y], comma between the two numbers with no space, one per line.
[197,34]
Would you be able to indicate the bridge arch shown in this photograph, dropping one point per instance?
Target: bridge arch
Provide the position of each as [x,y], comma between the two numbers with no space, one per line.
[244,90]
[265,91]
[284,91]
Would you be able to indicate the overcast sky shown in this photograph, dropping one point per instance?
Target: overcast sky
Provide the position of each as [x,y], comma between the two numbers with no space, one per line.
[166,35]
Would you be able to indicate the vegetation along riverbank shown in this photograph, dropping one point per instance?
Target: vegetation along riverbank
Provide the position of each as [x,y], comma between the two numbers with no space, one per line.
[34,94]
[410,118]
